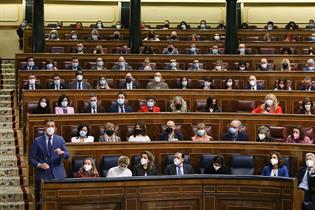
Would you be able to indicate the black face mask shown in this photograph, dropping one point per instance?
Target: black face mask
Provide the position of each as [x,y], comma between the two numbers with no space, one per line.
[170,49]
[173,37]
[178,106]
[128,79]
[137,131]
[285,65]
[116,36]
[169,130]
[109,132]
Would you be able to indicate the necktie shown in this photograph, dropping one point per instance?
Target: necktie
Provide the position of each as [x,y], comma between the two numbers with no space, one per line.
[57,87]
[49,146]
[179,171]
[121,109]
[253,88]
[32,87]
[65,111]
[94,110]
[79,86]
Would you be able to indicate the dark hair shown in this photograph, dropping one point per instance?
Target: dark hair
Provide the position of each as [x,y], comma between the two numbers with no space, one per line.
[269,22]
[226,80]
[180,82]
[280,163]
[55,75]
[78,73]
[60,99]
[300,128]
[307,100]
[29,58]
[286,50]
[74,58]
[80,128]
[147,49]
[151,158]
[142,127]
[47,101]
[48,120]
[285,82]
[218,159]
[183,22]
[210,103]
[150,97]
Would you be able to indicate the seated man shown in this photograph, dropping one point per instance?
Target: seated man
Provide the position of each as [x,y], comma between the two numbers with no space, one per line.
[94,35]
[146,65]
[310,65]
[178,167]
[100,64]
[121,105]
[170,134]
[173,65]
[235,132]
[173,36]
[150,105]
[170,50]
[56,84]
[242,49]
[193,49]
[79,83]
[252,84]
[214,50]
[307,84]
[263,66]
[79,49]
[31,83]
[124,50]
[94,106]
[30,64]
[157,83]
[196,66]
[129,83]
[75,64]
[121,64]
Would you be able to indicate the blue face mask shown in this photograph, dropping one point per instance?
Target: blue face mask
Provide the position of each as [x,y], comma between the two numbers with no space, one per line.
[200,132]
[232,130]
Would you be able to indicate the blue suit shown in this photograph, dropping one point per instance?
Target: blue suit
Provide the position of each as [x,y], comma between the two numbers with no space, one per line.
[282,171]
[39,154]
[115,108]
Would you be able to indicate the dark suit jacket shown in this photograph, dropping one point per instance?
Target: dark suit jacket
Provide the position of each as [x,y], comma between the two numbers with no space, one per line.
[140,171]
[124,85]
[249,87]
[171,169]
[115,108]
[99,109]
[303,87]
[210,170]
[79,68]
[26,86]
[85,85]
[241,136]
[33,68]
[40,154]
[164,136]
[52,86]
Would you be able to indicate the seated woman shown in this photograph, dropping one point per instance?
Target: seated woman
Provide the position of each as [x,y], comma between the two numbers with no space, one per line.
[139,134]
[82,135]
[298,136]
[306,107]
[53,35]
[88,170]
[102,83]
[271,106]
[201,134]
[178,104]
[151,37]
[219,66]
[146,166]
[263,134]
[109,134]
[217,166]
[285,64]
[98,50]
[121,170]
[42,107]
[282,84]
[275,167]
[229,84]
[212,105]
[207,84]
[183,83]
[63,106]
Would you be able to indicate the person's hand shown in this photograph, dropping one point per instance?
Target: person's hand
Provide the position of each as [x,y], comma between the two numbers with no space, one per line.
[59,151]
[43,166]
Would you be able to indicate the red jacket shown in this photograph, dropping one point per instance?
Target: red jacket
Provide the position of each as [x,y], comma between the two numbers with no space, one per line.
[260,109]
[145,108]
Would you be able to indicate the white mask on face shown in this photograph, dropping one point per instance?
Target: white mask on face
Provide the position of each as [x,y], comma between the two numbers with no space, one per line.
[307,107]
[82,133]
[122,168]
[103,82]
[150,104]
[274,161]
[252,83]
[147,68]
[232,130]
[50,66]
[184,83]
[93,104]
[50,131]
[120,101]
[64,103]
[31,63]
[87,167]
[242,68]
[261,136]
[43,104]
[157,79]
[176,161]
[269,102]
[219,68]
[94,37]
[216,167]
[242,51]
[143,161]
[229,84]
[32,81]
[264,65]
[118,26]
[57,82]
[309,163]
[74,36]
[79,77]
[100,63]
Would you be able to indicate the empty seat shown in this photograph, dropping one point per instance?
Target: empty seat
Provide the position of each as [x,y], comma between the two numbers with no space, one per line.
[205,161]
[267,50]
[108,161]
[278,133]
[135,160]
[242,165]
[200,105]
[57,50]
[287,163]
[245,106]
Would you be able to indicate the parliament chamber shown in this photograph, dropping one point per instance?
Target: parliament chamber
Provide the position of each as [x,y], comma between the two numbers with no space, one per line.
[169,105]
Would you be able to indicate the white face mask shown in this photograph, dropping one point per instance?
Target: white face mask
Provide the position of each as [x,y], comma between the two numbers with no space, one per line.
[122,168]
[64,103]
[176,161]
[229,84]
[173,64]
[57,82]
[74,36]
[79,77]
[261,136]
[242,68]
[150,104]
[87,167]
[50,131]
[43,104]
[216,167]
[264,65]
[274,161]
[252,83]
[147,68]
[31,63]
[157,79]
[307,107]
[120,101]
[94,37]
[100,63]
[79,49]
[143,161]
[269,102]
[217,38]
[93,103]
[184,83]
[82,133]
[309,163]
[201,132]
[103,82]
[219,68]
[207,84]
[242,50]
[50,66]
[232,130]
[32,81]
[118,26]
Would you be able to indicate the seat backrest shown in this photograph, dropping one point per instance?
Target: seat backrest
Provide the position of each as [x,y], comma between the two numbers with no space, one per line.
[205,161]
[287,162]
[108,161]
[200,105]
[309,132]
[31,106]
[77,163]
[135,160]
[245,106]
[267,50]
[278,133]
[242,164]
[57,50]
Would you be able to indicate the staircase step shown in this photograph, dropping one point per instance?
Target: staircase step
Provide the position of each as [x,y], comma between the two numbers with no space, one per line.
[9,172]
[9,182]
[6,133]
[5,92]
[5,104]
[5,111]
[11,194]
[6,118]
[8,161]
[12,205]
[7,150]
[7,124]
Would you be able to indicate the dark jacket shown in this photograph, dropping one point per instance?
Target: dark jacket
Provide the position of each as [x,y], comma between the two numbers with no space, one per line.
[27,87]
[140,171]
[124,85]
[52,86]
[171,169]
[210,170]
[241,136]
[303,87]
[249,87]
[164,136]
[99,109]
[40,110]
[115,108]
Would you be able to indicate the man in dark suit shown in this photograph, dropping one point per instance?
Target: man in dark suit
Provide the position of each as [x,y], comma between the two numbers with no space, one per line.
[79,83]
[178,167]
[56,84]
[170,134]
[120,106]
[47,154]
[252,84]
[30,64]
[31,83]
[94,106]
[307,84]
[129,82]
[121,64]
[75,64]
[235,133]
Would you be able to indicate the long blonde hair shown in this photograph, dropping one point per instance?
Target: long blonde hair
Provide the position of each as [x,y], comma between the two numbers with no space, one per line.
[94,169]
[274,99]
